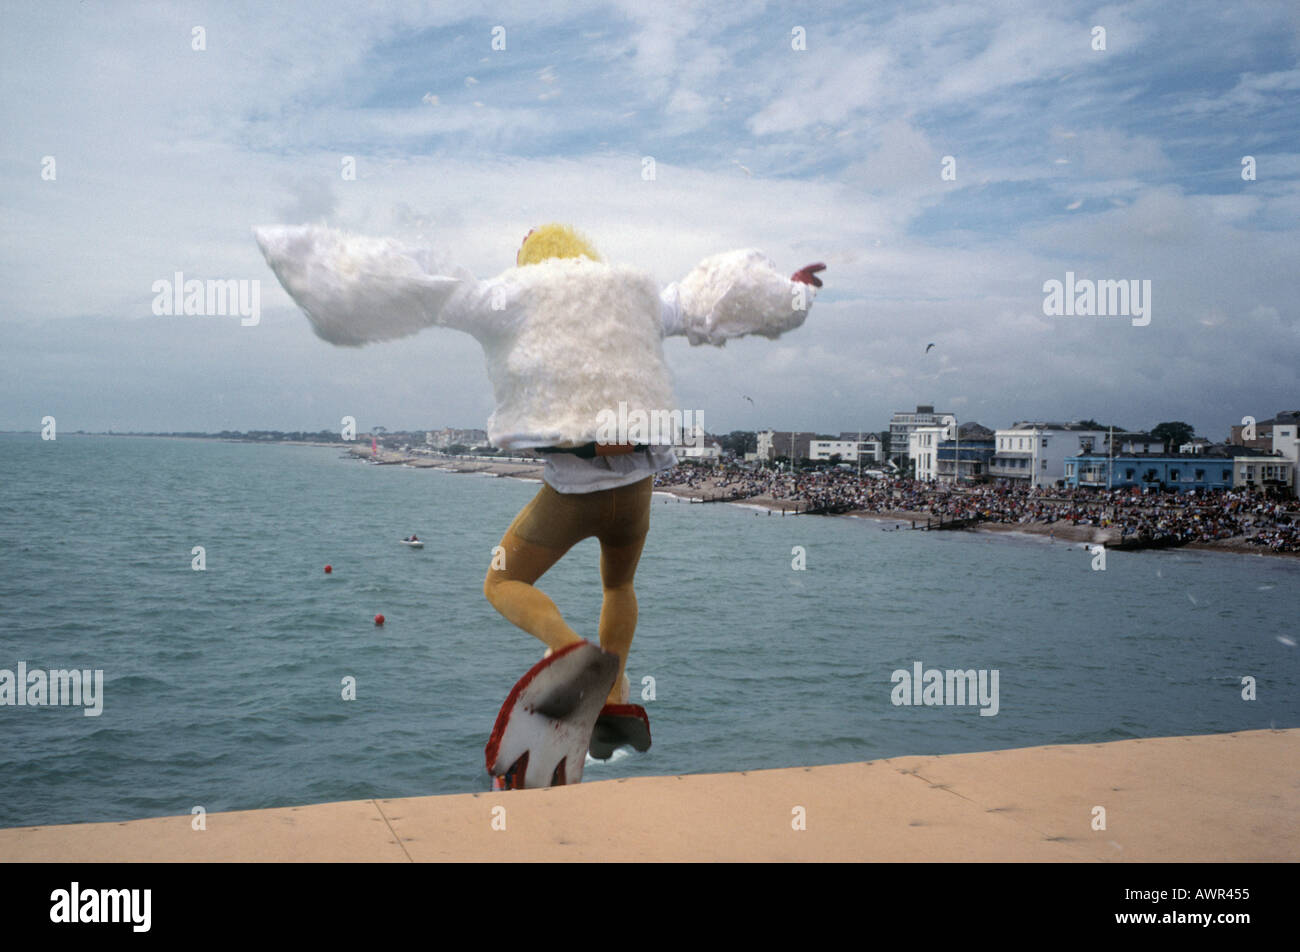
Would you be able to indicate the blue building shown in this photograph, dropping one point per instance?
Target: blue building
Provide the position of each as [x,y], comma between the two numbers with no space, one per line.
[975,457]
[1153,470]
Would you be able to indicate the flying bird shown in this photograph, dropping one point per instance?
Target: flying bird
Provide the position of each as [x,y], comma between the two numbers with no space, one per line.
[928,346]
[750,399]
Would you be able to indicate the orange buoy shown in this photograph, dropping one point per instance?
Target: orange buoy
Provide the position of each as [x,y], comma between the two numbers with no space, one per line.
[329,569]
[379,619]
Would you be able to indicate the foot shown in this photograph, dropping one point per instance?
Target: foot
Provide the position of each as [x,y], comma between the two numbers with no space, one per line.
[618,726]
[621,692]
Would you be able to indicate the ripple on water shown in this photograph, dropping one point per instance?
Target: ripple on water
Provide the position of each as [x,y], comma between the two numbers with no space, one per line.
[223,687]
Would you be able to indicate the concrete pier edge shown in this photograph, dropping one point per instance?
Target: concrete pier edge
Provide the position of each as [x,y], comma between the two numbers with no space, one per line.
[1217,797]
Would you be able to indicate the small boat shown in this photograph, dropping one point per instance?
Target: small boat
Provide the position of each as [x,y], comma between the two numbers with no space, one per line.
[413,543]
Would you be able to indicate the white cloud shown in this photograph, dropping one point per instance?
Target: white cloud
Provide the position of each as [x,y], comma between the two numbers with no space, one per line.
[167,156]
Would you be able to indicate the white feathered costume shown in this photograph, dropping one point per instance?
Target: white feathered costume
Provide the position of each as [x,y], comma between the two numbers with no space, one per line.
[564,339]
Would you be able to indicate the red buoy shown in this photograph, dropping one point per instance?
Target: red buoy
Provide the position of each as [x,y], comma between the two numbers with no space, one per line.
[329,569]
[379,619]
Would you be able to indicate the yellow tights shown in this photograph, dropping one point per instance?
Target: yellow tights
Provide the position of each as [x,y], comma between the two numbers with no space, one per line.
[546,528]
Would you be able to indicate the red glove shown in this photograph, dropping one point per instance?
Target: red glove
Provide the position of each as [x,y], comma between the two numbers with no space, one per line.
[808,275]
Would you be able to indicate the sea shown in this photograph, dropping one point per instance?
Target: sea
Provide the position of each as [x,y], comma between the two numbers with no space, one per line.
[238,674]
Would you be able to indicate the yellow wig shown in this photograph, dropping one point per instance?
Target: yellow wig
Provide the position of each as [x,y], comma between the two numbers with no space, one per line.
[554,241]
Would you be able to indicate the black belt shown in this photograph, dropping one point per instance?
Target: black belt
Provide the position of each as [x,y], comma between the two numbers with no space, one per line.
[586,451]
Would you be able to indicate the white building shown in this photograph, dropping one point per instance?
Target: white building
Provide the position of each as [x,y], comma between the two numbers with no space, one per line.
[1034,454]
[923,449]
[450,436]
[848,450]
[693,444]
[1280,471]
[1263,472]
[1286,440]
[902,424]
[1131,443]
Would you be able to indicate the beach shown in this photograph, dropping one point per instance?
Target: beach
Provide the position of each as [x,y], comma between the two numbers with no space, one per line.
[708,489]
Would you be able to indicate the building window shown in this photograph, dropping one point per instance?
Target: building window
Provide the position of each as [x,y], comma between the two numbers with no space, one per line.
[1128,474]
[1227,475]
[1173,475]
[1200,475]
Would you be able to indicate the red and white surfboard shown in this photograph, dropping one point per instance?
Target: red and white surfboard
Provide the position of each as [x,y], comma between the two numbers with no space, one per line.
[544,729]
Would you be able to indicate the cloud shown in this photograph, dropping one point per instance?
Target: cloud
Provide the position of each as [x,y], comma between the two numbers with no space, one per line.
[312,200]
[166,156]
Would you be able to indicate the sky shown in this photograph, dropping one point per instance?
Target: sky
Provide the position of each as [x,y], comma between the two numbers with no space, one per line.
[944,161]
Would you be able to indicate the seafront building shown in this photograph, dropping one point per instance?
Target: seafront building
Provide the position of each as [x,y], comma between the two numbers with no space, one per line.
[1124,441]
[776,443]
[848,450]
[449,436]
[1202,468]
[1034,454]
[975,445]
[973,455]
[693,444]
[903,424]
[922,449]
[1037,454]
[1281,470]
[1264,472]
[1263,430]
[934,450]
[1149,470]
[874,445]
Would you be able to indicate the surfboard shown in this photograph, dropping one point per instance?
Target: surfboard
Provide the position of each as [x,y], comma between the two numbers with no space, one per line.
[544,729]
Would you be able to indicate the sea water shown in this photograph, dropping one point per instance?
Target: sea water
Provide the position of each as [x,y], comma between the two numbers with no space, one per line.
[763,641]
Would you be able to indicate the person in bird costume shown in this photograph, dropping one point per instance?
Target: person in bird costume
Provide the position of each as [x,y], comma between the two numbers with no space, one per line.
[567,338]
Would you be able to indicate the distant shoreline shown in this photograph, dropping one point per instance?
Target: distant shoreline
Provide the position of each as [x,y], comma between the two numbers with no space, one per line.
[517,468]
[1089,535]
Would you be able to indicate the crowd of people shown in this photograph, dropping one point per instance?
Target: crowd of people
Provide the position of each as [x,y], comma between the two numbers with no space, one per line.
[1150,518]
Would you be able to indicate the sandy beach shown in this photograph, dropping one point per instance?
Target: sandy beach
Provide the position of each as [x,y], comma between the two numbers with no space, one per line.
[1172,799]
